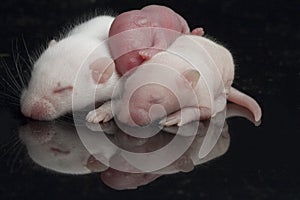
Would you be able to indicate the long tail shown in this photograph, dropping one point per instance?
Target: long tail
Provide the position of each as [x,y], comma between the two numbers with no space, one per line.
[246,101]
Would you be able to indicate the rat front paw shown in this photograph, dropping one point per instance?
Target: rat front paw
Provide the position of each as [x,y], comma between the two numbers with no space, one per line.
[147,54]
[174,119]
[96,116]
[170,121]
[101,114]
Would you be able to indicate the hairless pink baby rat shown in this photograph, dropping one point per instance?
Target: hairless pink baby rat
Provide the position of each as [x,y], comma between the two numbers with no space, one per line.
[52,84]
[191,81]
[145,34]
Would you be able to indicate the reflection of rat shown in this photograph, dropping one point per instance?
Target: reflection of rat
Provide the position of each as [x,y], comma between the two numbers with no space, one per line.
[57,147]
[144,33]
[121,180]
[51,87]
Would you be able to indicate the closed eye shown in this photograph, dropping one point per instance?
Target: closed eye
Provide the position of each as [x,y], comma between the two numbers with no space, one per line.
[63,89]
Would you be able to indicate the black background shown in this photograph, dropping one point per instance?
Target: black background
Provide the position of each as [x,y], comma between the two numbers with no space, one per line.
[261,163]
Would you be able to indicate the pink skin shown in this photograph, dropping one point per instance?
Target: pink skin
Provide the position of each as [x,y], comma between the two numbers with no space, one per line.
[132,48]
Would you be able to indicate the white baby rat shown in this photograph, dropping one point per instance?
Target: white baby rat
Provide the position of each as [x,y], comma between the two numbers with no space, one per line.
[190,81]
[51,88]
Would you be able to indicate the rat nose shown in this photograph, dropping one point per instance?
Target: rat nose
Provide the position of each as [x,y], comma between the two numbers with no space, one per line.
[140,117]
[38,110]
[42,110]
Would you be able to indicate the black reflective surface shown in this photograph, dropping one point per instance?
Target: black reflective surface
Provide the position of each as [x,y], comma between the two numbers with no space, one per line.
[260,162]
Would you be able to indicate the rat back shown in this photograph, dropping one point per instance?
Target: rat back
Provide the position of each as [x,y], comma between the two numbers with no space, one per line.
[96,27]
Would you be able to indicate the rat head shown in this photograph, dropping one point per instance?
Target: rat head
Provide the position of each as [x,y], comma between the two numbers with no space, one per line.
[153,91]
[126,43]
[52,85]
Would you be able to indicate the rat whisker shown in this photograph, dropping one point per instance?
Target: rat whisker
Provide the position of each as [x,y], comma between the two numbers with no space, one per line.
[12,89]
[11,139]
[14,84]
[29,68]
[11,97]
[26,72]
[19,150]
[15,141]
[16,58]
[31,60]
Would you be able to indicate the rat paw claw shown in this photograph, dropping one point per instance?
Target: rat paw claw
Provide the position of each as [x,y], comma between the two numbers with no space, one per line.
[172,120]
[145,55]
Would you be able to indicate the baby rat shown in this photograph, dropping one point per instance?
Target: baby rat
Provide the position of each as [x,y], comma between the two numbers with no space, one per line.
[144,33]
[191,81]
[52,84]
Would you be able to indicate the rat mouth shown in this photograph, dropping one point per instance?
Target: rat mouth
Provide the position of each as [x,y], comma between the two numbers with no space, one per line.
[135,117]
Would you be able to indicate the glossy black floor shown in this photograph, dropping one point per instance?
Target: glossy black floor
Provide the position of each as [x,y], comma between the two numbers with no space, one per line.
[261,162]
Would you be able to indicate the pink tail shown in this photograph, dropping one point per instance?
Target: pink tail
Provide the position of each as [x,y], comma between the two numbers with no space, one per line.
[244,100]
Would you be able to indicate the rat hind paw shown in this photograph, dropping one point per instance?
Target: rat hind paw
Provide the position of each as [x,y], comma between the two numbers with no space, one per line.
[181,117]
[198,31]
[101,114]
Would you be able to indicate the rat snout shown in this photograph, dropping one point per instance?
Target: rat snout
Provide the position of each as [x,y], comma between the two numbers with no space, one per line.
[40,110]
[134,117]
[125,118]
[142,117]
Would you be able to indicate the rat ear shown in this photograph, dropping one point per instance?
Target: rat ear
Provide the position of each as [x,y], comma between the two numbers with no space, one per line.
[51,43]
[191,77]
[102,69]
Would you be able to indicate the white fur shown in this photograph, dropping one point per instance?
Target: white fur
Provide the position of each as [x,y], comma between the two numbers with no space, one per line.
[63,62]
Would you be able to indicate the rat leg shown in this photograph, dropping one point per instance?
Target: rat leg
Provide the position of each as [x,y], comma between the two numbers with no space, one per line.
[185,116]
[198,31]
[181,117]
[147,54]
[101,114]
